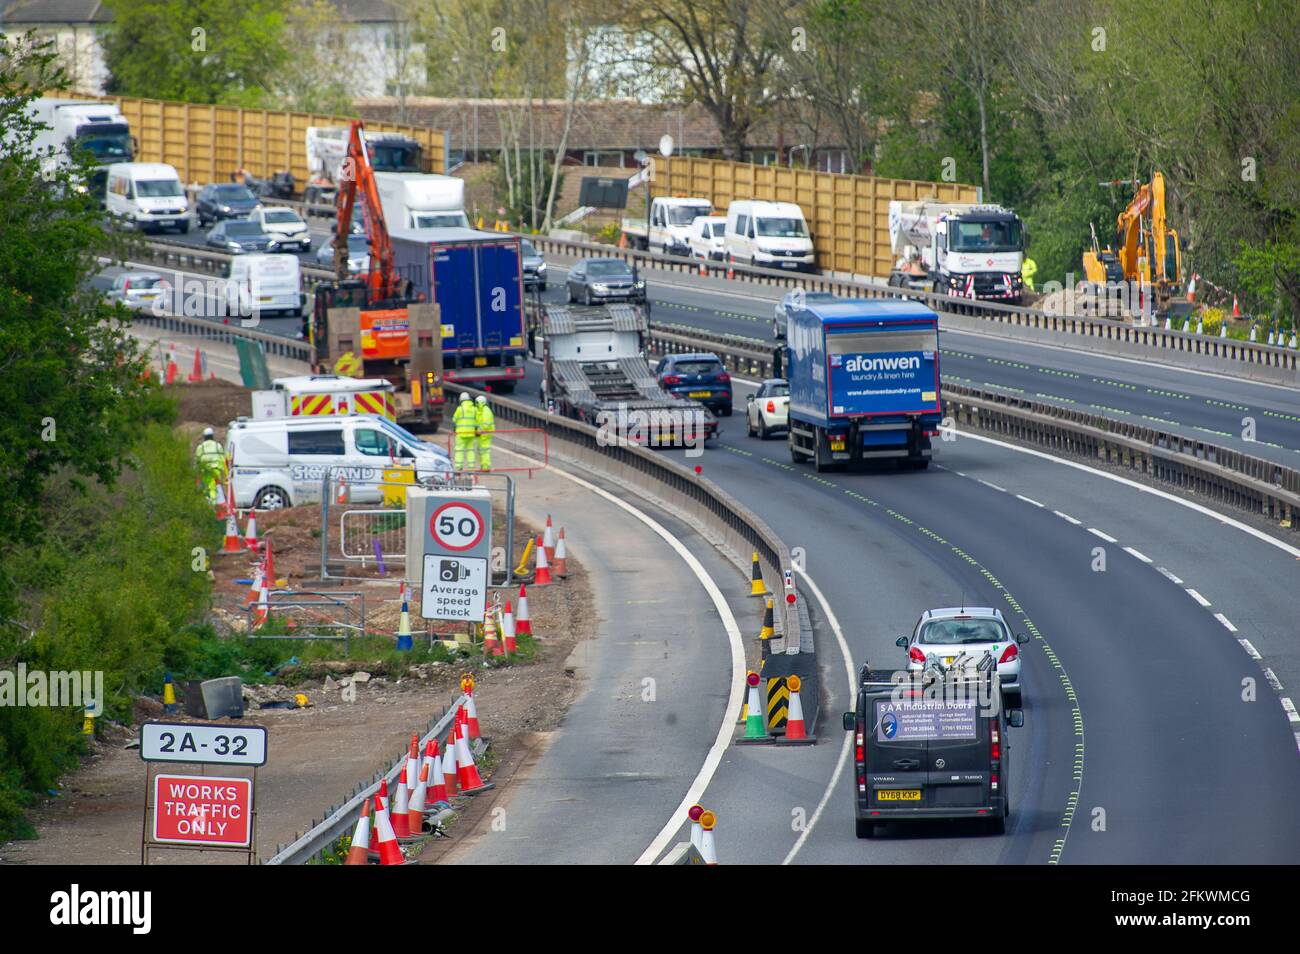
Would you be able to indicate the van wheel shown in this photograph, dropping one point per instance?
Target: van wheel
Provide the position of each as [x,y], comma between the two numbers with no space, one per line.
[997,826]
[865,829]
[270,498]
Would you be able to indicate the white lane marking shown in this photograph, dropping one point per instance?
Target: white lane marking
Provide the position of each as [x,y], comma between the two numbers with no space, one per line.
[1251,651]
[1226,622]
[994,486]
[725,731]
[1137,553]
[1162,494]
[843,760]
[1105,536]
[1289,706]
[1028,500]
[1273,681]
[1197,596]
[1169,576]
[1066,516]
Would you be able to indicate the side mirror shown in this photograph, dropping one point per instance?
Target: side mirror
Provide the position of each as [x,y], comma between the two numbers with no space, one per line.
[750,399]
[1021,639]
[901,642]
[850,721]
[1016,718]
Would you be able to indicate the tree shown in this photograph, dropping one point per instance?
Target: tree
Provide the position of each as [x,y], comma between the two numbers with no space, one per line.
[316,79]
[197,51]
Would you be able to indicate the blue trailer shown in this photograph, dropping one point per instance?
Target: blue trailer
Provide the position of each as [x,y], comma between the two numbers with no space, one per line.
[476,279]
[864,382]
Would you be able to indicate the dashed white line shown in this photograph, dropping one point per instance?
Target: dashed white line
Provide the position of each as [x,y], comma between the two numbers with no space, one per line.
[1028,500]
[1197,596]
[1137,553]
[993,485]
[1169,576]
[1273,681]
[1066,516]
[1105,536]
[1225,621]
[1251,651]
[1289,706]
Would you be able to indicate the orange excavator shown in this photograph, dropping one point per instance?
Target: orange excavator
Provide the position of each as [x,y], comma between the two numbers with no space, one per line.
[1146,250]
[376,325]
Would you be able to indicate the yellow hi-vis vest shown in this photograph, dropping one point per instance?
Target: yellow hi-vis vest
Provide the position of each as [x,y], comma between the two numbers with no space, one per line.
[210,457]
[487,422]
[465,418]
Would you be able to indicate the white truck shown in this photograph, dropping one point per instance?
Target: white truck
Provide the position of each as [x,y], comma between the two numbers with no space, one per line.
[414,200]
[669,230]
[327,147]
[97,127]
[963,249]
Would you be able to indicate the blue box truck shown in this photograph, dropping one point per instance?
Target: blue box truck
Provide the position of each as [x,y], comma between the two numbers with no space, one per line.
[476,279]
[864,382]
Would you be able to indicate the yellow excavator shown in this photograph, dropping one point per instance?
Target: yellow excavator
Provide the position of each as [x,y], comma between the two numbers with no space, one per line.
[1146,249]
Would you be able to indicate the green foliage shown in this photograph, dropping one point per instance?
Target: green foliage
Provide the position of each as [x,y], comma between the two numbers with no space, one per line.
[524,199]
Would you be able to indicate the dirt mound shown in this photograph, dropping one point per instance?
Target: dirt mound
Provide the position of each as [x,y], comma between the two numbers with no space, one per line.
[210,403]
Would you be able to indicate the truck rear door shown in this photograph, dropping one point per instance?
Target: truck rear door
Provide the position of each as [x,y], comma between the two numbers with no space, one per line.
[500,296]
[958,762]
[898,757]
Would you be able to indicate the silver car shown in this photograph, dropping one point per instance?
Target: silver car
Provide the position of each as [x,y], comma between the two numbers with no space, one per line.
[138,289]
[794,299]
[942,635]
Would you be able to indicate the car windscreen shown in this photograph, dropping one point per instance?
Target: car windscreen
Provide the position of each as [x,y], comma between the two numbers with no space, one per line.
[282,217]
[781,228]
[779,390]
[697,367]
[157,188]
[143,281]
[234,193]
[608,270]
[358,245]
[959,632]
[406,437]
[991,236]
[528,250]
[243,229]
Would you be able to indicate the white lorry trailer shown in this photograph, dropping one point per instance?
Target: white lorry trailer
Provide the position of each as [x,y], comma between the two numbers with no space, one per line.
[962,249]
[97,127]
[414,200]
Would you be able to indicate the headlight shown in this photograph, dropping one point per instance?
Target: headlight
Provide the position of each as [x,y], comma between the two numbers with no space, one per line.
[638,285]
[598,286]
[541,267]
[235,246]
[223,208]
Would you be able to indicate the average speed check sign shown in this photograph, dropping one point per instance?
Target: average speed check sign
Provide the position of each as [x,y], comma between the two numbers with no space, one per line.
[457,527]
[457,548]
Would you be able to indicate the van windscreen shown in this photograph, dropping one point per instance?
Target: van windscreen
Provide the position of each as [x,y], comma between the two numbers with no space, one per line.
[781,228]
[158,188]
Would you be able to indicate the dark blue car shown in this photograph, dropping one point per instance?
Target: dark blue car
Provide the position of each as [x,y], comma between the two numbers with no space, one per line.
[700,377]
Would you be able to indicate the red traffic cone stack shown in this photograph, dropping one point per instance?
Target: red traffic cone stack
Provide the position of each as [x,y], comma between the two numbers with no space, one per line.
[416,820]
[542,577]
[523,624]
[468,778]
[548,540]
[508,630]
[491,647]
[437,784]
[561,555]
[200,370]
[401,819]
[359,853]
[471,711]
[413,760]
[449,763]
[390,852]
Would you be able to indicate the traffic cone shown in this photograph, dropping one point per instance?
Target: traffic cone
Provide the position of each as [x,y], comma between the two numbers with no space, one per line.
[548,540]
[437,784]
[561,555]
[708,821]
[467,772]
[341,492]
[755,723]
[768,630]
[390,852]
[404,641]
[795,729]
[402,808]
[542,574]
[756,585]
[232,544]
[222,505]
[359,853]
[490,645]
[694,813]
[255,591]
[263,611]
[449,763]
[523,625]
[268,567]
[1236,309]
[200,370]
[382,795]
[508,630]
[172,370]
[1223,329]
[471,711]
[169,693]
[250,531]
[416,819]
[413,760]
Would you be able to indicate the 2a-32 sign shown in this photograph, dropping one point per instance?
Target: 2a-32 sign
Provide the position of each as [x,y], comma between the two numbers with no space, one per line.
[203,744]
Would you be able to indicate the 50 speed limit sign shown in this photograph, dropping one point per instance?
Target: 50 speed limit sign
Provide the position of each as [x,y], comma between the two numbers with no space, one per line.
[457,527]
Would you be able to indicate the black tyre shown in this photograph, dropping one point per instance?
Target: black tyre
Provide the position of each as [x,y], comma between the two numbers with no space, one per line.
[821,459]
[726,410]
[271,498]
[586,296]
[764,432]
[749,427]
[997,826]
[568,292]
[865,829]
[185,227]
[794,454]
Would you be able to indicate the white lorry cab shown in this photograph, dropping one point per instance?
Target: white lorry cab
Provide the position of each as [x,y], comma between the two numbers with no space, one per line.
[263,285]
[147,196]
[325,395]
[769,235]
[707,239]
[282,462]
[669,230]
[415,200]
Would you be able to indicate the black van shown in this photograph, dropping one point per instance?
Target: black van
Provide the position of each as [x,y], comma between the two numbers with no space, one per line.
[930,745]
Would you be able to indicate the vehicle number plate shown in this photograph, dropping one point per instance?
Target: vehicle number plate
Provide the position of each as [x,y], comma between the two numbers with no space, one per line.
[700,394]
[947,660]
[480,362]
[898,795]
[837,445]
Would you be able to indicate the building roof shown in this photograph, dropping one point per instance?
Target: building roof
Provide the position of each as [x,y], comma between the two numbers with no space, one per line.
[42,12]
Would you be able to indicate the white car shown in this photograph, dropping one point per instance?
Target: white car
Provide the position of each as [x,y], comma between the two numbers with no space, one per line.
[941,635]
[139,289]
[706,240]
[768,408]
[284,225]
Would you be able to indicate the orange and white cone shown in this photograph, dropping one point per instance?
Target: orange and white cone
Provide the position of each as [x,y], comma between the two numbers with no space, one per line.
[341,493]
[402,808]
[542,577]
[1236,309]
[255,591]
[390,852]
[561,555]
[263,611]
[548,540]
[416,819]
[449,763]
[471,715]
[508,630]
[491,647]
[232,544]
[250,531]
[413,760]
[468,778]
[359,853]
[223,504]
[708,821]
[268,567]
[794,724]
[523,624]
[437,784]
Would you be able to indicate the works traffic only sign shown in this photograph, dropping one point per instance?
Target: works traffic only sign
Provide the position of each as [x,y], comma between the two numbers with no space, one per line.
[203,744]
[203,810]
[457,527]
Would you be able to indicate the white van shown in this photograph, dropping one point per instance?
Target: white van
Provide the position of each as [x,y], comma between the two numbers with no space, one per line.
[769,235]
[263,285]
[707,239]
[147,196]
[281,462]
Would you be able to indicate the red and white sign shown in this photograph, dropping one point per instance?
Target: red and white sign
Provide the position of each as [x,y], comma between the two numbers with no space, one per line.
[456,526]
[203,810]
